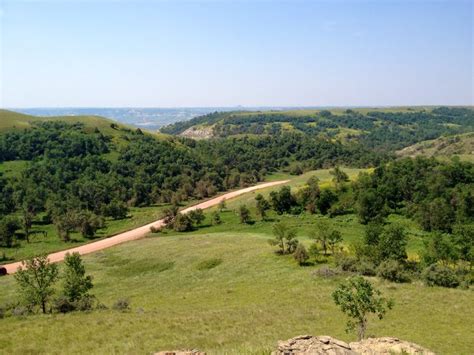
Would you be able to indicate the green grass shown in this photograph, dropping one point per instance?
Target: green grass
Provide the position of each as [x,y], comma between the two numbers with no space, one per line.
[243,305]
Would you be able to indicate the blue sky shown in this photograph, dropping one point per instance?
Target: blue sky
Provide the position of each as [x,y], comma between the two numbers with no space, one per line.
[225,53]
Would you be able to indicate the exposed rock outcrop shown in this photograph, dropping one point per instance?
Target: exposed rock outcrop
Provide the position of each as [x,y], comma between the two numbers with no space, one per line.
[311,345]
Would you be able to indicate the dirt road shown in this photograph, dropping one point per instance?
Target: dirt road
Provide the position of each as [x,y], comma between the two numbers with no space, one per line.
[142,231]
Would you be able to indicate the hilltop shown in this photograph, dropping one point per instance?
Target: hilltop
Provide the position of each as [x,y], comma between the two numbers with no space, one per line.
[382,129]
[461,145]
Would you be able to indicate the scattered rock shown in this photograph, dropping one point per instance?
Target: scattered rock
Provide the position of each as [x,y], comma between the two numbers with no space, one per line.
[308,344]
[387,346]
[311,345]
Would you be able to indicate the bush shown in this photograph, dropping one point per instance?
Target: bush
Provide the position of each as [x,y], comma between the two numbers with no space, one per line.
[183,223]
[154,229]
[438,275]
[86,303]
[326,271]
[63,305]
[346,262]
[122,304]
[301,255]
[366,268]
[392,270]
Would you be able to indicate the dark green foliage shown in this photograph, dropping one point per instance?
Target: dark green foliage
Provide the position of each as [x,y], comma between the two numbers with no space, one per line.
[182,223]
[392,270]
[301,255]
[8,226]
[244,215]
[440,248]
[326,236]
[197,216]
[216,218]
[35,279]
[439,275]
[116,209]
[282,201]
[358,298]
[392,244]
[262,206]
[76,284]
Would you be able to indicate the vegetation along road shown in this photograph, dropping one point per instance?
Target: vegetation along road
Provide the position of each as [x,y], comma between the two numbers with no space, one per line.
[142,231]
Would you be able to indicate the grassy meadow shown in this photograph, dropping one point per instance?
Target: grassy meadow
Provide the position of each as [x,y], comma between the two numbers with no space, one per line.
[223,290]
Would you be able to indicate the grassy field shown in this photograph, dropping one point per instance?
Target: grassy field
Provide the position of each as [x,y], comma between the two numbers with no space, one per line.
[241,306]
[222,289]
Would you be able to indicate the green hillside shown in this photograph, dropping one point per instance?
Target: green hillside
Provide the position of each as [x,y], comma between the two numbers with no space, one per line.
[386,129]
[461,145]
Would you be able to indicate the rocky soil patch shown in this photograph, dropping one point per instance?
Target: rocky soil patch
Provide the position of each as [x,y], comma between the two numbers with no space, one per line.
[314,345]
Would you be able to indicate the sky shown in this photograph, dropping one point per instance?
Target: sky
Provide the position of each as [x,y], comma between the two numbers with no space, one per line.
[105,53]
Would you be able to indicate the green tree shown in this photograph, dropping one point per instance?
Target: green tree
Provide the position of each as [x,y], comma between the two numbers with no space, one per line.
[335,238]
[116,209]
[358,298]
[282,200]
[285,238]
[76,283]
[197,216]
[182,223]
[35,279]
[301,254]
[440,248]
[216,218]
[392,244]
[262,206]
[244,214]
[8,227]
[339,177]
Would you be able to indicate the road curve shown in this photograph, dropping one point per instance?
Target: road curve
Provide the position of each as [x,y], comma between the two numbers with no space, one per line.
[142,231]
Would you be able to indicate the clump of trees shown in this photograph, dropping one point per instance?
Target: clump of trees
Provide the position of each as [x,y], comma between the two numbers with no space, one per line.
[36,280]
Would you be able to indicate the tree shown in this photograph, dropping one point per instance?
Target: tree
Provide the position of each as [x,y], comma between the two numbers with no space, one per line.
[326,236]
[197,216]
[464,241]
[216,218]
[244,214]
[283,200]
[440,247]
[370,206]
[301,255]
[326,198]
[76,283]
[392,244]
[262,206]
[65,223]
[339,177]
[285,238]
[182,223]
[8,227]
[116,209]
[335,237]
[88,223]
[35,279]
[357,298]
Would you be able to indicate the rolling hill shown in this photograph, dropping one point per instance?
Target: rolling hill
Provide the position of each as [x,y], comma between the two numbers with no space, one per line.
[461,145]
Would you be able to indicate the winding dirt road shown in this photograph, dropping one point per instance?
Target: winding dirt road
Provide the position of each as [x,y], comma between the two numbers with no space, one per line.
[142,231]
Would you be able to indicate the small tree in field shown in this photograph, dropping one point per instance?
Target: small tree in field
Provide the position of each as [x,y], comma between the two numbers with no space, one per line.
[285,238]
[301,255]
[36,278]
[357,298]
[197,216]
[216,218]
[262,206]
[244,214]
[76,283]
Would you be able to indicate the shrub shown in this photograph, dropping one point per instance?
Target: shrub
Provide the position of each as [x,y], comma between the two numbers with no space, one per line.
[346,262]
[154,229]
[63,305]
[301,255]
[326,271]
[393,271]
[438,275]
[86,303]
[122,304]
[365,267]
[209,264]
[182,223]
